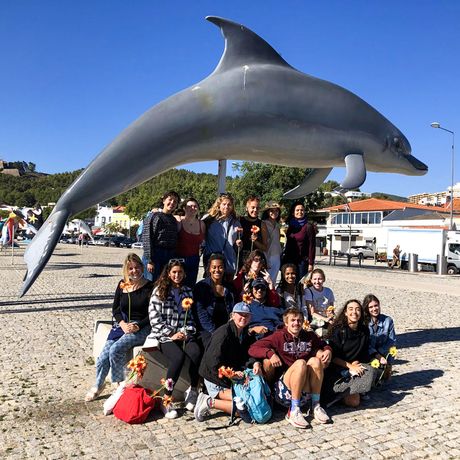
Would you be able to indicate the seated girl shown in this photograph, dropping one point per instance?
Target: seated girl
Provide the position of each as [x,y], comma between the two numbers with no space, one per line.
[255,266]
[213,299]
[349,373]
[319,301]
[130,311]
[382,333]
[288,289]
[173,327]
[228,347]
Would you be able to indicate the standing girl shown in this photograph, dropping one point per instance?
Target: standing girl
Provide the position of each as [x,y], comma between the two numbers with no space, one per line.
[223,235]
[271,237]
[300,241]
[174,328]
[191,233]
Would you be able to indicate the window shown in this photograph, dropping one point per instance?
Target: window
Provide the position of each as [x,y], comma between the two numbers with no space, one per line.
[358,216]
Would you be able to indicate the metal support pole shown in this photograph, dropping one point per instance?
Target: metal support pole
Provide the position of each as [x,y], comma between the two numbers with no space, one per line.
[222,177]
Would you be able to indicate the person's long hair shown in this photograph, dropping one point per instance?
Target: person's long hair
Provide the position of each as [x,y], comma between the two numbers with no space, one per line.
[164,282]
[214,211]
[250,258]
[341,321]
[367,300]
[131,257]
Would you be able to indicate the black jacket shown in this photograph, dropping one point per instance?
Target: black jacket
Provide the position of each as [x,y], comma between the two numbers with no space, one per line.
[225,349]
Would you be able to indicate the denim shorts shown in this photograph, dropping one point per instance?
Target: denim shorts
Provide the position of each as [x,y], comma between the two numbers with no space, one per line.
[283,394]
[213,389]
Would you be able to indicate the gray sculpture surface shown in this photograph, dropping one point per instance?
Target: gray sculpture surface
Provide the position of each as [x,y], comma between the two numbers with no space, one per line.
[254,106]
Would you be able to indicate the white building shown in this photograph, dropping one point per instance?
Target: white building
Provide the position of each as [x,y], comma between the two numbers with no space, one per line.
[365,223]
[113,215]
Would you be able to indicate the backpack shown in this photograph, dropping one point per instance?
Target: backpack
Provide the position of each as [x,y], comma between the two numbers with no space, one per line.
[255,395]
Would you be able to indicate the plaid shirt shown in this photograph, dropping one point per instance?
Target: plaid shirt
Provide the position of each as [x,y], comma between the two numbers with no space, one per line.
[164,315]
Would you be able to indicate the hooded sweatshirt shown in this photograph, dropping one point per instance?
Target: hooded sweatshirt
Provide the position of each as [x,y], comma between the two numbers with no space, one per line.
[287,347]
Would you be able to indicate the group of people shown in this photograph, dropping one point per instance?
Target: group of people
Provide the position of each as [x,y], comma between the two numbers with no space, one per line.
[166,236]
[237,317]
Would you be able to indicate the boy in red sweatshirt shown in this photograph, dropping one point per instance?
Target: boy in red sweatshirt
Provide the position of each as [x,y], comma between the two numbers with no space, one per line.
[302,356]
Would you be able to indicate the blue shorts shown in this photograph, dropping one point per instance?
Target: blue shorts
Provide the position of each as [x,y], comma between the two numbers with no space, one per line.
[283,394]
[213,389]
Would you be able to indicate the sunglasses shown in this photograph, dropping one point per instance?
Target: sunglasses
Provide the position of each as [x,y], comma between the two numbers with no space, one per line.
[176,262]
[259,288]
[226,195]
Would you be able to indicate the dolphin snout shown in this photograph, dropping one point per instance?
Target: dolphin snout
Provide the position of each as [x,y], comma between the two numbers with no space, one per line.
[420,167]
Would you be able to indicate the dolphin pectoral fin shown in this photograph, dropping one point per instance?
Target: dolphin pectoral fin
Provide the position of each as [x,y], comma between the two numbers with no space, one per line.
[243,47]
[356,172]
[40,249]
[311,182]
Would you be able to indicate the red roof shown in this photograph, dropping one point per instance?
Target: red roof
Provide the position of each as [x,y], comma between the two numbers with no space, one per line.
[119,209]
[375,204]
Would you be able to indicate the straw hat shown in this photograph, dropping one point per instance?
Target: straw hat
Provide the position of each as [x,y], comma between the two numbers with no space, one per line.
[272,205]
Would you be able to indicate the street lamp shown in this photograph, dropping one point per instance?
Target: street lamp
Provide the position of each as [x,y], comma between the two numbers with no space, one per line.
[435,124]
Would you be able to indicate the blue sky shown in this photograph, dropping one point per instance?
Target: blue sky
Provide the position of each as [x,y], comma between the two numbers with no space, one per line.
[76,73]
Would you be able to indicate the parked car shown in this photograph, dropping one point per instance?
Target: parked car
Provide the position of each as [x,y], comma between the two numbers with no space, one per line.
[137,245]
[362,251]
[103,241]
[121,242]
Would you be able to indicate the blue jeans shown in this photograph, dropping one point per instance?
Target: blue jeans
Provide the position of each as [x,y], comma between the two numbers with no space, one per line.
[191,270]
[160,258]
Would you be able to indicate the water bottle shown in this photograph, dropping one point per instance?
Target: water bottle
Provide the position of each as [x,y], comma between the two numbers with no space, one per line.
[242,410]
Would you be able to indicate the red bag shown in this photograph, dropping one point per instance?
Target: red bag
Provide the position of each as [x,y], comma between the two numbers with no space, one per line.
[134,405]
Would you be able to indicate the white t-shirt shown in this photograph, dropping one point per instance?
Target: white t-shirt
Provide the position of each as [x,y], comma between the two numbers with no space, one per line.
[320,299]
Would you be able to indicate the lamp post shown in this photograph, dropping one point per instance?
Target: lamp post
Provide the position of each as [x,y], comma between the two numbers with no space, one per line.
[435,124]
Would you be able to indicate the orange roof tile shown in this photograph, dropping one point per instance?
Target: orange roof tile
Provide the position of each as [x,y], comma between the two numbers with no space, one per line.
[375,204]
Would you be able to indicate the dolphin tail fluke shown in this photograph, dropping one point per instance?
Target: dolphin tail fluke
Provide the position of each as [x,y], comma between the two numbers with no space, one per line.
[311,182]
[356,172]
[40,249]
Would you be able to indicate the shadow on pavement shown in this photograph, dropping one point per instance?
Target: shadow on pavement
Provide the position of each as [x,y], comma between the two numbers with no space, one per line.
[422,336]
[98,306]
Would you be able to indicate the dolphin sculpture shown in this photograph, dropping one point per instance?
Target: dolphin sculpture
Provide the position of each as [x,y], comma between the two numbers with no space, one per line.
[254,106]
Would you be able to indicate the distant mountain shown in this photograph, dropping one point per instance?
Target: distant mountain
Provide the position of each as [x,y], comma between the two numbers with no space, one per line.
[388,196]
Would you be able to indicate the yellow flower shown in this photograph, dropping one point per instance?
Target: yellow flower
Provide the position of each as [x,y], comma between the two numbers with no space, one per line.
[393,351]
[247,298]
[187,303]
[375,363]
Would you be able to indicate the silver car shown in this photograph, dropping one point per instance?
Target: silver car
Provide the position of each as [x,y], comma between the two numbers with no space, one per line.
[362,251]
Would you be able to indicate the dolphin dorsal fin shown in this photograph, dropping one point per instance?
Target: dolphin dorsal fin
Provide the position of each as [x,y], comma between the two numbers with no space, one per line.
[243,46]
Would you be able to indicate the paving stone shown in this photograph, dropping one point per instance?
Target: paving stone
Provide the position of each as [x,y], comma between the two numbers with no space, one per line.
[46,372]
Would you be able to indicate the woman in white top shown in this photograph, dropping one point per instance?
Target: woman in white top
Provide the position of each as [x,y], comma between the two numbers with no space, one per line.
[319,300]
[271,237]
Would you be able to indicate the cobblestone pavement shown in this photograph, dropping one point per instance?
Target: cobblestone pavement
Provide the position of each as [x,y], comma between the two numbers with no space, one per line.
[46,344]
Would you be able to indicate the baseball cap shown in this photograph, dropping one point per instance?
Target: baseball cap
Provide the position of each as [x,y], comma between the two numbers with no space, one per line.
[259,282]
[241,307]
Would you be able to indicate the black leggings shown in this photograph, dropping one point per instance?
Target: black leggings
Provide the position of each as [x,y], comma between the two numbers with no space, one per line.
[176,357]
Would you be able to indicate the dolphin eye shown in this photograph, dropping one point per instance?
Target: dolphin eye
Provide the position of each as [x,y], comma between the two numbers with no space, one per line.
[397,143]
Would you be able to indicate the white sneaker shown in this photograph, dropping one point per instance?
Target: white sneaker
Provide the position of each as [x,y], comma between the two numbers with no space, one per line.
[320,414]
[169,411]
[191,395]
[202,407]
[296,418]
[94,392]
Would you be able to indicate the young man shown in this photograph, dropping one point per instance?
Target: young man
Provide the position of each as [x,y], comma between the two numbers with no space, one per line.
[159,236]
[301,356]
[228,347]
[251,240]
